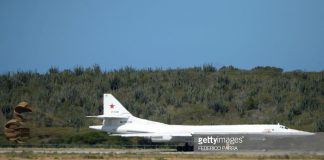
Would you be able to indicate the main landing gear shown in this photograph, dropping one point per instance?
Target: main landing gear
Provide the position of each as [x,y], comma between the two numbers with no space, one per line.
[185,148]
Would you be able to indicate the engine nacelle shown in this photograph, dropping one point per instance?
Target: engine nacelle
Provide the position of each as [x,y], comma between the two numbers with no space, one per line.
[165,138]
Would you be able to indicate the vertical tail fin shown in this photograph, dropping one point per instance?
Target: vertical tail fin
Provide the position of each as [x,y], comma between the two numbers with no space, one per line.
[113,108]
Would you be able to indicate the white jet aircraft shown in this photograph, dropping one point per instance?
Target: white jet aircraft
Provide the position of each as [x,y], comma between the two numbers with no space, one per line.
[119,122]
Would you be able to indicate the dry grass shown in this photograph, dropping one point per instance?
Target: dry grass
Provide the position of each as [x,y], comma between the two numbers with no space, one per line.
[153,156]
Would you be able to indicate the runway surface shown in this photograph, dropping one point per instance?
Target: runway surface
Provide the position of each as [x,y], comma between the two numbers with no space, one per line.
[144,151]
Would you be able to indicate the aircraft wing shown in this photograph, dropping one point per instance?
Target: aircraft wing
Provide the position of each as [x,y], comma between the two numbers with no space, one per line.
[184,134]
[157,137]
[105,116]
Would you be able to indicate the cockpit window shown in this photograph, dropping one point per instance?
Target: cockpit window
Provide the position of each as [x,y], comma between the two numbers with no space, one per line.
[283,127]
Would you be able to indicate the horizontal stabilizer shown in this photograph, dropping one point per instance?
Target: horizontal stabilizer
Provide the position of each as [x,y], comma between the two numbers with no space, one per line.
[109,116]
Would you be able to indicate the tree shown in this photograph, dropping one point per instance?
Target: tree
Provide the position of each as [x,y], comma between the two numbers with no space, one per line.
[218,107]
[319,125]
[250,103]
[115,83]
[208,68]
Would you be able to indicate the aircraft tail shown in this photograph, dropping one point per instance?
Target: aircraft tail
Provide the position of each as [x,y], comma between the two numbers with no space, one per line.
[113,108]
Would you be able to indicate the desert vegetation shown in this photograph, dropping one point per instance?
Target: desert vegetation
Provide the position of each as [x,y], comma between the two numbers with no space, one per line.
[199,95]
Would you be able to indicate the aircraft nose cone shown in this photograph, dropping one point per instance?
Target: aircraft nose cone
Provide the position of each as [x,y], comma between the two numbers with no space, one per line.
[300,133]
[307,133]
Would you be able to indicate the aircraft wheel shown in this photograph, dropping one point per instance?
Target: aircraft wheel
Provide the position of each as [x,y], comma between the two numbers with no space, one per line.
[185,148]
[188,148]
[180,148]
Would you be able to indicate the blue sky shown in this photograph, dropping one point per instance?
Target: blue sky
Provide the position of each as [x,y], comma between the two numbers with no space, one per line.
[38,34]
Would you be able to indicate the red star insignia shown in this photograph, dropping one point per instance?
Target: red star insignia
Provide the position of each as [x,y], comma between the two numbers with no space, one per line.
[112,106]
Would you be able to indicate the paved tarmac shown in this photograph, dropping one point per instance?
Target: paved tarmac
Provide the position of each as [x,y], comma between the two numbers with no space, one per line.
[82,150]
[144,151]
